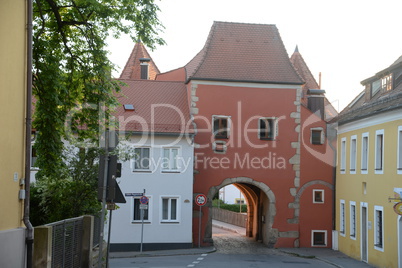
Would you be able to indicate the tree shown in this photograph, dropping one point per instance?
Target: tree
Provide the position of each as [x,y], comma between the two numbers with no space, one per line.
[73,193]
[72,74]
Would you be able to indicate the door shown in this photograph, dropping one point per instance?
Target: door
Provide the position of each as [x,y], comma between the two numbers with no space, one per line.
[399,241]
[364,232]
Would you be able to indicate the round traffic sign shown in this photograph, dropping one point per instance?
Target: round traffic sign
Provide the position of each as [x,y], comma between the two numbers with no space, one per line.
[201,199]
[144,200]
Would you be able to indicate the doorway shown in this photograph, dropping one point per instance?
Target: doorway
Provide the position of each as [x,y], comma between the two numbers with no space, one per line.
[364,227]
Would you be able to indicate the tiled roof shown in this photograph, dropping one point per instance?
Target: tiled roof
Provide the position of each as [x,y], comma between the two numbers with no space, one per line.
[159,107]
[305,73]
[243,52]
[132,70]
[382,101]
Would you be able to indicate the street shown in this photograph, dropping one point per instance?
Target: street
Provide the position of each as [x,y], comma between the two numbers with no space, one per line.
[233,251]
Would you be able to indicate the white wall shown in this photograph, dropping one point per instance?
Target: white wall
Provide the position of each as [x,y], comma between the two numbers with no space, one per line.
[156,184]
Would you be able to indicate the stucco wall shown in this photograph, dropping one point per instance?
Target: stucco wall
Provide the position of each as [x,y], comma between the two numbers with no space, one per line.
[370,189]
[157,184]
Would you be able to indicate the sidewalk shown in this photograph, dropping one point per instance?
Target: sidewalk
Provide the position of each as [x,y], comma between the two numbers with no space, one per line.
[157,253]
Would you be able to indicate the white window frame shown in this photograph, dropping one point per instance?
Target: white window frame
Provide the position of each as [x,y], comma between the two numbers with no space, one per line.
[322,195]
[379,228]
[132,214]
[343,156]
[275,130]
[325,238]
[322,135]
[171,161]
[217,144]
[379,152]
[133,160]
[365,153]
[353,154]
[178,209]
[228,128]
[342,220]
[352,218]
[399,151]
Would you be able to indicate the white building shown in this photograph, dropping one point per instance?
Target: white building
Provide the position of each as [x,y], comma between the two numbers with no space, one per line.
[154,116]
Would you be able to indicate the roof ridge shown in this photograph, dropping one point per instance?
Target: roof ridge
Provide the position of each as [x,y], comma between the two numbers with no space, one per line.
[203,51]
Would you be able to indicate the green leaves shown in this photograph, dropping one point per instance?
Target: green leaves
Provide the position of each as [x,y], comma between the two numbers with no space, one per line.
[71,68]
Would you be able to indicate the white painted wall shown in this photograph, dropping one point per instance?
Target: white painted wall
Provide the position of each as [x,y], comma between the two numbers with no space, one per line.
[230,193]
[157,184]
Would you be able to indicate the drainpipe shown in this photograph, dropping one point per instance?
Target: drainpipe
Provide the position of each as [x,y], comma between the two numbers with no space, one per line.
[28,127]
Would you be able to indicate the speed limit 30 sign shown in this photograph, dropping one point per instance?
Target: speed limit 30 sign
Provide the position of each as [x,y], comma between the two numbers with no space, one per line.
[201,199]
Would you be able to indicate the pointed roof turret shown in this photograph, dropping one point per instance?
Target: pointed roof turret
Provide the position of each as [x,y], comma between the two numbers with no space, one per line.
[132,69]
[311,84]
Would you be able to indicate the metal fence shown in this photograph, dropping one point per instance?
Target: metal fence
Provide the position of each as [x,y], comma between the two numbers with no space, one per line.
[66,243]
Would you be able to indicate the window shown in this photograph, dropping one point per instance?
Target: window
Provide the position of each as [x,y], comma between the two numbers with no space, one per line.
[137,210]
[317,136]
[375,87]
[343,154]
[364,163]
[318,196]
[319,237]
[170,211]
[353,150]
[267,128]
[221,126]
[399,153]
[378,228]
[170,159]
[379,151]
[141,161]
[353,219]
[386,82]
[219,146]
[342,218]
[33,156]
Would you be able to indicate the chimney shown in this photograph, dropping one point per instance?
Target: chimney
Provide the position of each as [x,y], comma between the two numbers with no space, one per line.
[144,68]
[315,102]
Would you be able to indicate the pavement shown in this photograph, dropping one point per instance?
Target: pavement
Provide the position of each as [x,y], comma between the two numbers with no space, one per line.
[333,257]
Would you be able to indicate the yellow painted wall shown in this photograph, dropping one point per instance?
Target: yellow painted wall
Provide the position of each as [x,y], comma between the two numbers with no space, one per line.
[12,109]
[378,188]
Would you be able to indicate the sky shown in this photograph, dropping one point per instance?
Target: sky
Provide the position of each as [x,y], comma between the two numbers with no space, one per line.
[346,40]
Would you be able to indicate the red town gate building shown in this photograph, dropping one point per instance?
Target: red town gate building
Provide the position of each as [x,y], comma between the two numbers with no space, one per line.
[261,124]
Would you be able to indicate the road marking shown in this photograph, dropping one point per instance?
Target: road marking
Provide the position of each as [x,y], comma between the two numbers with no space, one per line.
[204,255]
[196,262]
[200,259]
[190,265]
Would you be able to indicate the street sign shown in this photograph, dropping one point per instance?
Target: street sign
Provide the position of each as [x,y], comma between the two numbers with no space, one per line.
[201,200]
[133,194]
[398,208]
[144,200]
[142,206]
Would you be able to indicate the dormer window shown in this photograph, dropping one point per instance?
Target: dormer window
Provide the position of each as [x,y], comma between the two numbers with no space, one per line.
[386,82]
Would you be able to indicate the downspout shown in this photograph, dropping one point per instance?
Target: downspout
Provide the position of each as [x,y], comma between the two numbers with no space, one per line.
[28,127]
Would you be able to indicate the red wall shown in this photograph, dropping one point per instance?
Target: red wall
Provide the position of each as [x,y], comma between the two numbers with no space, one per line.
[243,104]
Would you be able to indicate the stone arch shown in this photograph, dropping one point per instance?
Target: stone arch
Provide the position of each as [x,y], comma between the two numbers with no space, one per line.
[250,195]
[310,183]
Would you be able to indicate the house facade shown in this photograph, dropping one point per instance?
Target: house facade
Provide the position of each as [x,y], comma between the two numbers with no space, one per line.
[369,172]
[157,132]
[12,137]
[260,127]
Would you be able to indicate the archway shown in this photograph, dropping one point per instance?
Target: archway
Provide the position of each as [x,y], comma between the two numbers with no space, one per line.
[261,203]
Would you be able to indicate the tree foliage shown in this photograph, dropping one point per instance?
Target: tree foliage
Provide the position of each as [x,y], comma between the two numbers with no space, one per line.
[73,193]
[72,73]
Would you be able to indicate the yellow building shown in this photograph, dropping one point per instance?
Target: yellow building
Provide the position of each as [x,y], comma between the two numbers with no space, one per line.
[13,36]
[370,171]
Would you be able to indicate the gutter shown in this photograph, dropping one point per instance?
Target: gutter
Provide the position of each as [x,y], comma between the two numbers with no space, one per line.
[29,238]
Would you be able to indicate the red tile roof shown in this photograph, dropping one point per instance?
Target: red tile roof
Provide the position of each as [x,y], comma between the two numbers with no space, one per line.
[132,70]
[243,52]
[159,107]
[305,73]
